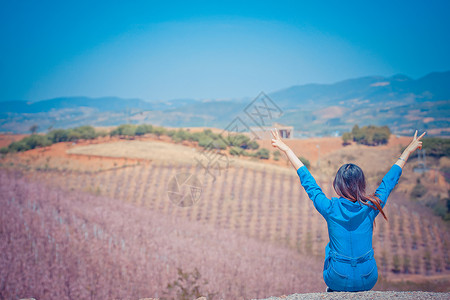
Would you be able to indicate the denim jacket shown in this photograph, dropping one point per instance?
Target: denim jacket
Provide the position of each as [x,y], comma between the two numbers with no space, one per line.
[349,262]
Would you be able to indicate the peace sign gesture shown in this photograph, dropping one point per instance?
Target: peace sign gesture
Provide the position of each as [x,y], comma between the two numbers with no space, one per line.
[277,142]
[415,143]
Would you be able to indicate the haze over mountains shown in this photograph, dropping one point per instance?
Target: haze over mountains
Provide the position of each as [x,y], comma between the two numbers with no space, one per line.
[399,102]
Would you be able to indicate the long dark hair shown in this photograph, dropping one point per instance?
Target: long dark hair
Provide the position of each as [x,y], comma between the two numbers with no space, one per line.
[350,183]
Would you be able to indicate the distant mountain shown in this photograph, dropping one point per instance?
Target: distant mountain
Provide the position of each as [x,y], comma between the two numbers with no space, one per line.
[399,101]
[377,89]
[101,104]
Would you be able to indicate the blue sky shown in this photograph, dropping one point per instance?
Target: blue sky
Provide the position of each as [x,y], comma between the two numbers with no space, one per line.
[161,50]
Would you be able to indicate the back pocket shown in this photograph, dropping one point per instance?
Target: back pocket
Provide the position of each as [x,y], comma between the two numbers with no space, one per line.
[370,278]
[336,280]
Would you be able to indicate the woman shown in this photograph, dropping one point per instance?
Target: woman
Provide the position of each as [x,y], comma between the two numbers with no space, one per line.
[349,262]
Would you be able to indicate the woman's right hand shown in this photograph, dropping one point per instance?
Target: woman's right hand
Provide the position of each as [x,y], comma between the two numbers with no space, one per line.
[415,143]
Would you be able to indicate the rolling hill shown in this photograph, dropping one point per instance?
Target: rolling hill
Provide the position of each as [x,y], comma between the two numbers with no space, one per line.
[399,101]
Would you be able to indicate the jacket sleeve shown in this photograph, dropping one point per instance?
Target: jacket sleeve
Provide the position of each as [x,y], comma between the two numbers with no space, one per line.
[388,183]
[320,201]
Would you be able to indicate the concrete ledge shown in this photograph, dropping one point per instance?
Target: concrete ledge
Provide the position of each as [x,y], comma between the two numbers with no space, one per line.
[365,295]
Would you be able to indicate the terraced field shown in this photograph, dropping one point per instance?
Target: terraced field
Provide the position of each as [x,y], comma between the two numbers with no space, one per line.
[271,206]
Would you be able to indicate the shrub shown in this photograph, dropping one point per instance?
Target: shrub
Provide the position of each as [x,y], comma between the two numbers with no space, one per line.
[181,135]
[368,135]
[418,191]
[102,133]
[196,136]
[205,141]
[396,264]
[58,135]
[249,154]
[406,264]
[81,132]
[159,130]
[239,140]
[171,132]
[441,207]
[35,141]
[436,147]
[276,155]
[86,132]
[124,130]
[305,161]
[346,138]
[236,151]
[253,145]
[73,135]
[219,144]
[208,132]
[187,286]
[143,129]
[263,153]
[29,142]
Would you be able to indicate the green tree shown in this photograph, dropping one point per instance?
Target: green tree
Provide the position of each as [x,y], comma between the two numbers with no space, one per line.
[236,151]
[18,146]
[240,140]
[436,147]
[263,153]
[276,155]
[36,141]
[253,145]
[356,133]
[73,135]
[159,130]
[29,142]
[368,135]
[33,128]
[144,129]
[86,132]
[124,130]
[346,138]
[181,135]
[58,135]
[205,141]
[219,144]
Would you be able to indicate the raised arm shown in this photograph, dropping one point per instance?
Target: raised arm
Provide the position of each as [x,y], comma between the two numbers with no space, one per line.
[390,180]
[416,143]
[278,143]
[315,193]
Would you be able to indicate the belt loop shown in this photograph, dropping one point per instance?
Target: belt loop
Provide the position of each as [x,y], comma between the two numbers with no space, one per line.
[353,262]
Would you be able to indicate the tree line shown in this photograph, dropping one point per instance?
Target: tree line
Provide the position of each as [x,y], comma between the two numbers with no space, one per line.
[237,144]
[367,135]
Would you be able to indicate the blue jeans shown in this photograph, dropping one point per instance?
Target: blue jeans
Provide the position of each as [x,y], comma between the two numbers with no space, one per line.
[342,273]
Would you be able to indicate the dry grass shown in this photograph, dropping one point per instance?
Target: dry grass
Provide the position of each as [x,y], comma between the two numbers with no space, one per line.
[166,152]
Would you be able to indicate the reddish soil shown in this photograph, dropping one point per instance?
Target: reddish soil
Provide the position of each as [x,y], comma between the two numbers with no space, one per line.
[6,139]
[55,156]
[310,148]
